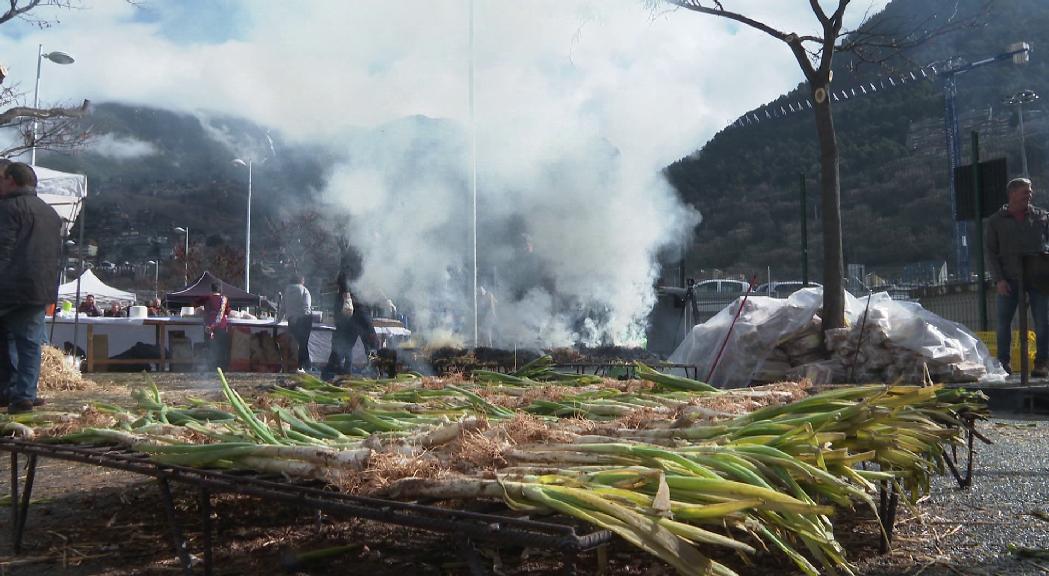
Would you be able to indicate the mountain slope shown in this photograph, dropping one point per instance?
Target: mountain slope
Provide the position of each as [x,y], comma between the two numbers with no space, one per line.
[745,180]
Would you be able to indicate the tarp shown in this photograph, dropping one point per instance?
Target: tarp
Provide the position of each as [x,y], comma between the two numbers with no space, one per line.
[90,284]
[62,191]
[189,295]
[765,322]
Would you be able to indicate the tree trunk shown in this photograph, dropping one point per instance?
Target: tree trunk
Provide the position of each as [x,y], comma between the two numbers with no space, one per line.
[830,204]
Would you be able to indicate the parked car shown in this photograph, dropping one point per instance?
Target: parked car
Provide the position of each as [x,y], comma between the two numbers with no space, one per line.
[713,295]
[782,289]
[710,287]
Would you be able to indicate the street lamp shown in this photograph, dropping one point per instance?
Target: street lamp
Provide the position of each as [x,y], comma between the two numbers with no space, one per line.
[185,254]
[57,58]
[247,234]
[156,277]
[1019,99]
[66,247]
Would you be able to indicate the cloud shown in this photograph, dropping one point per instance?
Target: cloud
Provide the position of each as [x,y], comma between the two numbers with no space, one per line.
[120,147]
[577,107]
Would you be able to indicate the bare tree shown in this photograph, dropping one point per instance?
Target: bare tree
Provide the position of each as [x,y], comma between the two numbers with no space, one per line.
[57,127]
[815,54]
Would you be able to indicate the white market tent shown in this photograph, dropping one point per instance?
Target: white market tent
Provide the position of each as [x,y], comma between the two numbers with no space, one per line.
[90,284]
[62,191]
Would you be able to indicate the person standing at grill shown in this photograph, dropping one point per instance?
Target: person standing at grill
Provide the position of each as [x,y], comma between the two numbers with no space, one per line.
[351,322]
[297,306]
[1017,229]
[216,325]
[30,248]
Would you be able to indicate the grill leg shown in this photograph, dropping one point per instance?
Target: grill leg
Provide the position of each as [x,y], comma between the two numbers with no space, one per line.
[952,463]
[568,567]
[473,559]
[205,527]
[602,559]
[887,514]
[970,433]
[27,492]
[176,531]
[15,520]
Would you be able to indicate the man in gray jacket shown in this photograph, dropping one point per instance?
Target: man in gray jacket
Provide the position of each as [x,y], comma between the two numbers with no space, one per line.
[1017,229]
[30,240]
[298,307]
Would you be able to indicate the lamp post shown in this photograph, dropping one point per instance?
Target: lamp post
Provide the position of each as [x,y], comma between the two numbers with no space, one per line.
[1019,99]
[156,277]
[66,247]
[247,234]
[185,254]
[57,58]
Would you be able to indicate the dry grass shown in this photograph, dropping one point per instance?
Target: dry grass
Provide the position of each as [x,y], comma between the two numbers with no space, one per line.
[798,390]
[480,451]
[528,429]
[641,418]
[56,374]
[385,468]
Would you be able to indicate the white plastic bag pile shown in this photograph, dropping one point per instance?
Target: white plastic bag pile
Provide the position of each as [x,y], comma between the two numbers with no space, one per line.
[777,339]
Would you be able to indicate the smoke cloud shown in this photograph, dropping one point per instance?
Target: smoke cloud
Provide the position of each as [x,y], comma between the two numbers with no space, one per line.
[579,105]
[568,229]
[120,147]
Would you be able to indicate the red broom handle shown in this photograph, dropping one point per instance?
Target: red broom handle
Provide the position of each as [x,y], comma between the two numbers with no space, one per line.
[717,359]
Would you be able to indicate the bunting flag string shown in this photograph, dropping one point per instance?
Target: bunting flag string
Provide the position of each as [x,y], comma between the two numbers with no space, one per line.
[866,88]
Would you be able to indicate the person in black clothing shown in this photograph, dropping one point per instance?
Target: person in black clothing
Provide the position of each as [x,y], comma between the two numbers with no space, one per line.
[351,322]
[30,244]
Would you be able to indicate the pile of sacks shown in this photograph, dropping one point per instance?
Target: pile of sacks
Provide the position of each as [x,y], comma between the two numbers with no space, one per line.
[862,352]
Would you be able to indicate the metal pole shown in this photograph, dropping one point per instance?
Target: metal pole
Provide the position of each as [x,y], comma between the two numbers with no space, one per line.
[156,278]
[981,283]
[36,101]
[954,154]
[1025,359]
[247,239]
[80,254]
[804,234]
[473,175]
[185,260]
[1023,146]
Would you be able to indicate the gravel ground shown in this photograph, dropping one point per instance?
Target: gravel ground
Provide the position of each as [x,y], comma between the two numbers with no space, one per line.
[967,531]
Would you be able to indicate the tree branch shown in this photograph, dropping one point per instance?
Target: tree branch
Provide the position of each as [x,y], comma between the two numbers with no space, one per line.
[793,40]
[696,6]
[14,11]
[818,10]
[839,14]
[12,115]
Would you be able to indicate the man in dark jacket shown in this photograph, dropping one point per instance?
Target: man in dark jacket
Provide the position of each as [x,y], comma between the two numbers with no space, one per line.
[1018,229]
[30,243]
[352,321]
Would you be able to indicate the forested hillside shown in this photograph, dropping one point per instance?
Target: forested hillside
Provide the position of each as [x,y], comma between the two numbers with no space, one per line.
[894,168]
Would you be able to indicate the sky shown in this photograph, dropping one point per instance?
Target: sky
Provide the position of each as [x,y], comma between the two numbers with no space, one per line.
[578,105]
[316,67]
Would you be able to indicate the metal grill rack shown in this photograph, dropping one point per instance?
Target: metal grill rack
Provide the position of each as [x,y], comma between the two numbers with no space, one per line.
[467,527]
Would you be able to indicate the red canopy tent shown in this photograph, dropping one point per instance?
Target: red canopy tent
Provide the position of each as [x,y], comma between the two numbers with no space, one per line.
[189,295]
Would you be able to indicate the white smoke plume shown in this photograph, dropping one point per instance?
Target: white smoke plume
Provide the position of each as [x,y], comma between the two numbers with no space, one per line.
[567,236]
[121,147]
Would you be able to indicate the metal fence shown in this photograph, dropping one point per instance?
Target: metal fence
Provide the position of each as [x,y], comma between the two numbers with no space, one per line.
[959,303]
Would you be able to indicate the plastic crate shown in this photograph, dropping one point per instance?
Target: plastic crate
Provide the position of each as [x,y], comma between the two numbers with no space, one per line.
[991,340]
